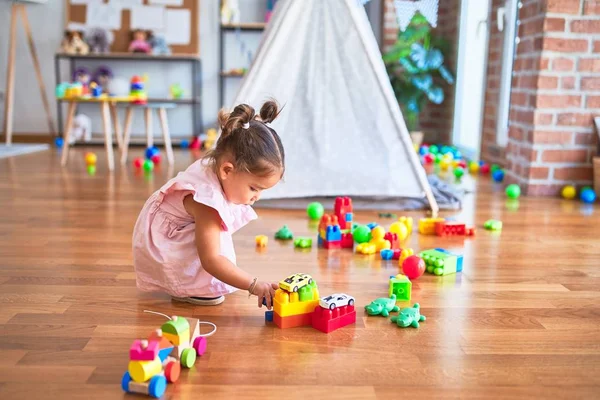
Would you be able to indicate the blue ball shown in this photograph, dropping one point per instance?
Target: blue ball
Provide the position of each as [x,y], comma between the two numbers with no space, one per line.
[457,155]
[481,163]
[59,142]
[151,151]
[372,225]
[587,196]
[423,150]
[184,144]
[498,175]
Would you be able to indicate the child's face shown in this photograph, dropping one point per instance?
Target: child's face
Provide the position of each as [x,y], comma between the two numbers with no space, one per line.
[243,187]
[139,36]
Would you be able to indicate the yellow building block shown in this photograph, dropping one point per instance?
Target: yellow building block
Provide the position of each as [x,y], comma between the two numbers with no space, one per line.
[404,254]
[286,304]
[427,225]
[141,371]
[366,248]
[177,340]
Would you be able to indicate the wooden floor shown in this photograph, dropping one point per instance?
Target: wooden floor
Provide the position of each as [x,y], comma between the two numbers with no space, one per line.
[521,321]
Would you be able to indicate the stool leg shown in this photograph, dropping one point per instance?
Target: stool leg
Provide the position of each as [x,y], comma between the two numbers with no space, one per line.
[67,130]
[162,116]
[126,133]
[116,125]
[149,135]
[107,135]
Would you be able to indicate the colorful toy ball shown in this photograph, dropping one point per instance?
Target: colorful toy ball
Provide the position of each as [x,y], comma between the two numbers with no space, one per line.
[90,159]
[184,144]
[413,267]
[424,150]
[151,151]
[362,234]
[459,172]
[428,158]
[59,142]
[498,175]
[494,167]
[148,165]
[473,167]
[138,162]
[513,191]
[587,195]
[438,158]
[315,211]
[433,149]
[484,169]
[156,159]
[568,192]
[444,164]
[91,169]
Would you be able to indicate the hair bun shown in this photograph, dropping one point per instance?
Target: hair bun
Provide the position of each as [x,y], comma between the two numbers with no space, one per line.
[229,122]
[269,111]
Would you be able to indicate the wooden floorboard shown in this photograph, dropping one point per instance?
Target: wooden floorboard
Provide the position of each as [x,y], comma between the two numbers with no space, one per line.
[521,321]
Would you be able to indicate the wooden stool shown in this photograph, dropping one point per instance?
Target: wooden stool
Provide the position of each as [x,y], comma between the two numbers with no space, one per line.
[162,116]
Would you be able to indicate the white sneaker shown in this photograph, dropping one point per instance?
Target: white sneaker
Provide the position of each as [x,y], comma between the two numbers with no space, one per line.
[200,301]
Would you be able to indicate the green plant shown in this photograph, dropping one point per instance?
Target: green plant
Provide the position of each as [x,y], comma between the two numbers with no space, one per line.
[415,65]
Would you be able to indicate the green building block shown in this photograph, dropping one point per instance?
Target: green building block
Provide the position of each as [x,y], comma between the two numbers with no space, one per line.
[401,286]
[303,242]
[306,293]
[439,263]
[493,225]
[176,326]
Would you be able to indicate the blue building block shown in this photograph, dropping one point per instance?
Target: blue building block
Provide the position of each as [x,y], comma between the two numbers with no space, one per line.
[459,258]
[387,254]
[333,233]
[372,225]
[268,316]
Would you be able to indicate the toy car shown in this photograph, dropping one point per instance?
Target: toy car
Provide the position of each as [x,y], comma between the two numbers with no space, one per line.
[336,300]
[294,282]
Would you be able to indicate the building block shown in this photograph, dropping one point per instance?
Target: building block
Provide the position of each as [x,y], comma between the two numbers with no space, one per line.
[349,220]
[331,245]
[293,321]
[397,253]
[141,371]
[341,207]
[401,286]
[380,244]
[427,225]
[447,228]
[459,258]
[303,242]
[493,225]
[386,254]
[287,304]
[269,316]
[408,222]
[333,233]
[327,220]
[366,248]
[372,225]
[155,387]
[404,254]
[347,241]
[142,350]
[326,320]
[393,239]
[261,240]
[175,326]
[439,263]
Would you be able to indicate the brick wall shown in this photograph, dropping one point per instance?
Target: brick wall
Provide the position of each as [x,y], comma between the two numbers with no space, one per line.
[555,93]
[435,120]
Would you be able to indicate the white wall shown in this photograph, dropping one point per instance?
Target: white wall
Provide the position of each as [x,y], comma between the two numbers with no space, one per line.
[47,23]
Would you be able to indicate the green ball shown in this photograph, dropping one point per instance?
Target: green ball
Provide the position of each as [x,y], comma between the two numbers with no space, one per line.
[148,165]
[513,191]
[494,167]
[315,210]
[438,158]
[433,149]
[362,234]
[91,169]
[459,172]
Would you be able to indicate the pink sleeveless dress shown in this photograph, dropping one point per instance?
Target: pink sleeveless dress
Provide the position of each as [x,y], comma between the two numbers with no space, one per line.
[165,255]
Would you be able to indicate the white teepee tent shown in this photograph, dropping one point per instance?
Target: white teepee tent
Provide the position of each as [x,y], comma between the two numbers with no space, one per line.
[341,125]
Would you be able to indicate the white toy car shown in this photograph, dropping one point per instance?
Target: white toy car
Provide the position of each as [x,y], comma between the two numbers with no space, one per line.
[336,300]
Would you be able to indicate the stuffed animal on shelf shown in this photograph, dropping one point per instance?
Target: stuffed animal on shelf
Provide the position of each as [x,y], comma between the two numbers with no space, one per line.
[98,40]
[230,12]
[159,46]
[73,43]
[140,41]
[102,77]
[82,75]
[82,129]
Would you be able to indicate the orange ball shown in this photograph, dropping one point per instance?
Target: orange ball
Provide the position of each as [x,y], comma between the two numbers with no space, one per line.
[90,159]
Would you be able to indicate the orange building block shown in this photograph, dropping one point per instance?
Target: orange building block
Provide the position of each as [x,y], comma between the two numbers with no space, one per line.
[293,321]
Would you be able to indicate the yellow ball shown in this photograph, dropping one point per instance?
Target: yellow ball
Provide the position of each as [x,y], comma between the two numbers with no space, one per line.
[448,156]
[408,221]
[473,167]
[400,229]
[90,158]
[455,163]
[377,233]
[569,192]
[444,164]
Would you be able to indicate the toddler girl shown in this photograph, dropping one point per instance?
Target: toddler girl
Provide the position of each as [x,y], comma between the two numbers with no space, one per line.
[182,240]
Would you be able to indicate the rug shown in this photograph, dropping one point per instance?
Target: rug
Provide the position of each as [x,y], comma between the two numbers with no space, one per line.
[17,149]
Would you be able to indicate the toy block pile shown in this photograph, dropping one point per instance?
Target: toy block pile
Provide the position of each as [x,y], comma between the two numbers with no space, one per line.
[335,229]
[158,360]
[327,320]
[293,305]
[441,262]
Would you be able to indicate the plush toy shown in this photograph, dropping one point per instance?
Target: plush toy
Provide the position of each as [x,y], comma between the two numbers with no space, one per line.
[140,41]
[82,129]
[159,46]
[230,12]
[102,77]
[98,40]
[73,43]
[82,75]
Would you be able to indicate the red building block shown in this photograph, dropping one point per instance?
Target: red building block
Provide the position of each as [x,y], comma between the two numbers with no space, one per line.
[393,239]
[327,220]
[347,241]
[397,253]
[326,320]
[293,321]
[450,229]
[334,244]
[342,206]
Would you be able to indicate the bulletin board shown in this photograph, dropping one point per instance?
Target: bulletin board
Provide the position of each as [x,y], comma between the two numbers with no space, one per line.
[77,11]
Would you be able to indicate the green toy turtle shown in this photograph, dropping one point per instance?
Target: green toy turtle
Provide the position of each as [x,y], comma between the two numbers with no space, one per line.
[382,306]
[284,234]
[409,317]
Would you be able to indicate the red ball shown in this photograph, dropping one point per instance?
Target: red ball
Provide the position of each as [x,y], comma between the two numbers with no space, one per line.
[196,143]
[413,267]
[156,159]
[138,162]
[428,158]
[485,169]
[462,163]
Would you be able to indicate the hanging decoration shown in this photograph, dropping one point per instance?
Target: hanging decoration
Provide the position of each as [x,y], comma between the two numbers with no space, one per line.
[406,9]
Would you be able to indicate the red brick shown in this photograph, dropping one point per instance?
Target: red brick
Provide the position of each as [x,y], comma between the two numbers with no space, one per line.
[557,101]
[528,81]
[573,173]
[563,6]
[539,172]
[528,154]
[542,118]
[554,24]
[593,102]
[586,138]
[565,45]
[591,7]
[543,63]
[519,99]
[515,132]
[574,119]
[590,83]
[567,82]
[573,156]
[563,64]
[586,26]
[596,46]
[547,82]
[533,26]
[589,65]
[551,137]
[525,117]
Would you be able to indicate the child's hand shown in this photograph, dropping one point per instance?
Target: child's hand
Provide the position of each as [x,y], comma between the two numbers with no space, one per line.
[265,290]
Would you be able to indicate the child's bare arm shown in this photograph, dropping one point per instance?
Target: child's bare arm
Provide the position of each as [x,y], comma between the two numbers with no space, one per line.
[208,231]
